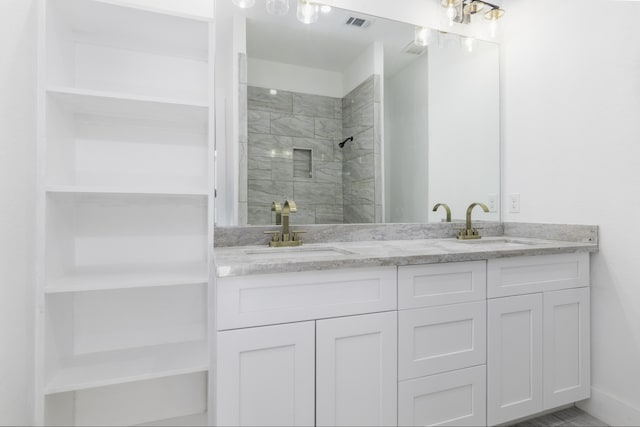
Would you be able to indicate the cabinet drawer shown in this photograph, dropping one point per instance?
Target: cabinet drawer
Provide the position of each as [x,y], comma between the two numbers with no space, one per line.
[441,284]
[290,297]
[455,398]
[526,275]
[439,339]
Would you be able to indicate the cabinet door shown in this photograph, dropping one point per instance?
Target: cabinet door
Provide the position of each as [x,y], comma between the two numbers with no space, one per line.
[454,398]
[567,376]
[266,376]
[514,358]
[356,370]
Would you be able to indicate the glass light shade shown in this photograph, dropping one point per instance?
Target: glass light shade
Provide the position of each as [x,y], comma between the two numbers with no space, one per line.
[244,4]
[421,36]
[325,8]
[278,7]
[452,13]
[469,42]
[308,12]
[492,16]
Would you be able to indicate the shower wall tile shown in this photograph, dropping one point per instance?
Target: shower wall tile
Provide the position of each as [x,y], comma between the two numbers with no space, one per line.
[264,145]
[289,125]
[314,193]
[328,172]
[259,121]
[313,105]
[265,192]
[261,99]
[329,214]
[328,128]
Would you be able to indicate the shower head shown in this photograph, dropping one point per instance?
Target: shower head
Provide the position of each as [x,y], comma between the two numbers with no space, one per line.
[341,145]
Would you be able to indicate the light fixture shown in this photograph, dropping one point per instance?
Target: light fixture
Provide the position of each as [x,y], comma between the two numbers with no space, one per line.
[278,7]
[452,9]
[492,16]
[244,4]
[421,36]
[325,8]
[307,12]
[273,92]
[461,11]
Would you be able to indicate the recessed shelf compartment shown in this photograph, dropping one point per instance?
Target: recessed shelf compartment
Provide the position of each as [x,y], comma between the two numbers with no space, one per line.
[122,235]
[174,400]
[103,143]
[96,45]
[118,336]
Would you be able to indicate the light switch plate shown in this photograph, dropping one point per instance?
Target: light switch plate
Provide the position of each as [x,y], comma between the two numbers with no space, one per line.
[492,202]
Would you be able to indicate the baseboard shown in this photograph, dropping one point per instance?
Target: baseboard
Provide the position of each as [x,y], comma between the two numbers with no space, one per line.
[610,409]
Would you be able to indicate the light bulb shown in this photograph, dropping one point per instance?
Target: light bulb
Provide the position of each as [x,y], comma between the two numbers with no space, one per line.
[325,8]
[451,13]
[278,7]
[421,36]
[307,12]
[244,4]
[493,27]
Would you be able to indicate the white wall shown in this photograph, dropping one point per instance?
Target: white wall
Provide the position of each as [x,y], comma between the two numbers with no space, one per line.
[464,127]
[572,150]
[406,135]
[370,61]
[17,209]
[293,78]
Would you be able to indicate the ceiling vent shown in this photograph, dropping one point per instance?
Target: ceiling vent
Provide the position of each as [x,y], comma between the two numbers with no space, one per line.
[414,49]
[357,22]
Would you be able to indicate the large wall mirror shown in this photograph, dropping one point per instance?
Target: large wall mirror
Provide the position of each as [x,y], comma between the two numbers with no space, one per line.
[357,122]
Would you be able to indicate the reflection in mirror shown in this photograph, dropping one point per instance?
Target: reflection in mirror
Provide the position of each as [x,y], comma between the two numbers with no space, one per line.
[358,123]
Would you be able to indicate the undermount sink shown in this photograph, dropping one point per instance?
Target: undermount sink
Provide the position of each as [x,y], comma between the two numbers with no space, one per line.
[295,252]
[503,242]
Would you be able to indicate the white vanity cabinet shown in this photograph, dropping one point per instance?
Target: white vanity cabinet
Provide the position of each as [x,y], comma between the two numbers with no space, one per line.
[538,342]
[316,368]
[442,346]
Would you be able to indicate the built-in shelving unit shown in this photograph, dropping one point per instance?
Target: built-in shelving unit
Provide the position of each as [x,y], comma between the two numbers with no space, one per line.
[125,202]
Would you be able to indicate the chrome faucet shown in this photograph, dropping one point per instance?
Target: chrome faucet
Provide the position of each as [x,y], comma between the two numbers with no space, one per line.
[470,232]
[279,239]
[446,208]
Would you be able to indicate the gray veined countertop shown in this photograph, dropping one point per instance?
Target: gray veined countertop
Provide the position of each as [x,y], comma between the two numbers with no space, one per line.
[246,260]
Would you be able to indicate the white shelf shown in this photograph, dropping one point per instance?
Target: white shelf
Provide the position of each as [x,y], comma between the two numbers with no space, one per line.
[73,189]
[128,277]
[196,420]
[130,105]
[119,367]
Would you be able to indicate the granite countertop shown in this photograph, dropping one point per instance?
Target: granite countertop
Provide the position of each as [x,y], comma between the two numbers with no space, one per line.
[247,260]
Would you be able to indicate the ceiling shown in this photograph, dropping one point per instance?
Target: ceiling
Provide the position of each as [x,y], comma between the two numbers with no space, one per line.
[328,44]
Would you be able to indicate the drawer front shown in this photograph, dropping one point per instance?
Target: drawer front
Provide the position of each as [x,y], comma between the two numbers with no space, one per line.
[440,339]
[441,284]
[526,275]
[290,297]
[455,398]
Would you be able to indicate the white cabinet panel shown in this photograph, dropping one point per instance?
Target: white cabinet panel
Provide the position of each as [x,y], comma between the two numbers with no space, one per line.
[439,339]
[566,347]
[451,399]
[525,275]
[514,358]
[441,284]
[280,298]
[266,376]
[356,370]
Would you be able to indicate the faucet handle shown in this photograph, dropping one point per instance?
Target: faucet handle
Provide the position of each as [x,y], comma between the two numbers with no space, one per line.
[296,235]
[275,235]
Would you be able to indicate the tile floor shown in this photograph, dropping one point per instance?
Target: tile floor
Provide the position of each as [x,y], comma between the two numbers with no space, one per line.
[569,417]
